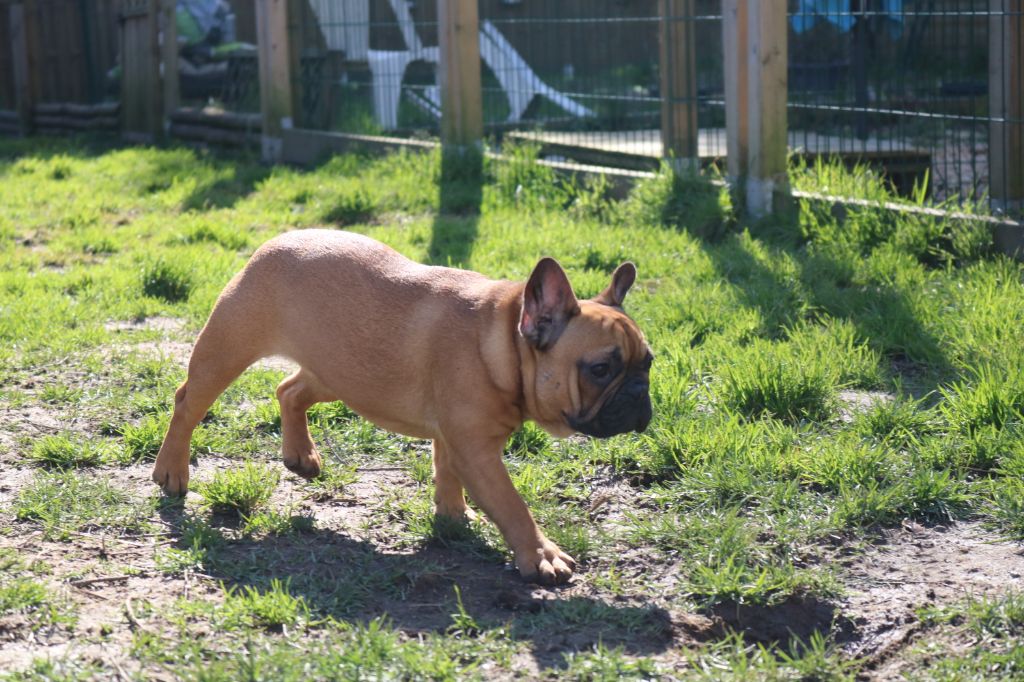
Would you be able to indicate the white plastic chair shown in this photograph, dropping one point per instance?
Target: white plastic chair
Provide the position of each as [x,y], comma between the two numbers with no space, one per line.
[518,80]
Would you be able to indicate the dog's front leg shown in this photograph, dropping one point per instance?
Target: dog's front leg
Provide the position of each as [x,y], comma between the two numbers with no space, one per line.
[480,468]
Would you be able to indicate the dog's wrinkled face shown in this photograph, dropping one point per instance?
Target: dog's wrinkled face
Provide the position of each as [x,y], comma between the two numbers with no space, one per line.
[592,365]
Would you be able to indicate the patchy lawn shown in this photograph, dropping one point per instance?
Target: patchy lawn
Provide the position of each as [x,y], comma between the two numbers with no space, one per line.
[831,488]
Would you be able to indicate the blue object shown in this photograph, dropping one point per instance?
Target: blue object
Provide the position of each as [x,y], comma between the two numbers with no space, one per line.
[837,13]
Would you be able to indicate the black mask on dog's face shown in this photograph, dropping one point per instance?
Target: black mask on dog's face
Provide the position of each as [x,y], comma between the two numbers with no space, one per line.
[625,403]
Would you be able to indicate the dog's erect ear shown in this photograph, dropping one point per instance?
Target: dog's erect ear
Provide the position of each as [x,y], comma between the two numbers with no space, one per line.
[548,304]
[622,280]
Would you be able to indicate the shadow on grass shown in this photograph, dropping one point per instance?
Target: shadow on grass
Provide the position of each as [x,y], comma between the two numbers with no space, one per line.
[350,579]
[455,227]
[225,192]
[882,314]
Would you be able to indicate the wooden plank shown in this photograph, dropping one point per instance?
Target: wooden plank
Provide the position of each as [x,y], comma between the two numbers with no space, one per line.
[169,57]
[678,70]
[25,55]
[217,118]
[141,90]
[275,74]
[1006,105]
[462,121]
[737,126]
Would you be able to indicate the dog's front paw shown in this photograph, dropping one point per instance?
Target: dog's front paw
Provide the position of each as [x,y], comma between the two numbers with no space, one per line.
[305,462]
[546,564]
[173,480]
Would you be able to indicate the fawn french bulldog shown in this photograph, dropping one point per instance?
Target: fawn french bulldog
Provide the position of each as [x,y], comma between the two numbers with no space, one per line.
[429,352]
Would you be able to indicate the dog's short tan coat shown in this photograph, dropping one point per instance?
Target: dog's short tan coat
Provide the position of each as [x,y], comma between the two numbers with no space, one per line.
[429,352]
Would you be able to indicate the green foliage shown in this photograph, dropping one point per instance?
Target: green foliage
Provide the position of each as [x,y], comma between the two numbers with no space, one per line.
[36,602]
[170,280]
[64,452]
[66,502]
[241,489]
[682,202]
[770,381]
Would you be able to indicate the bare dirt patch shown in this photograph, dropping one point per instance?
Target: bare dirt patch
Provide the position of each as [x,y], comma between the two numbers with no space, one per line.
[853,402]
[917,566]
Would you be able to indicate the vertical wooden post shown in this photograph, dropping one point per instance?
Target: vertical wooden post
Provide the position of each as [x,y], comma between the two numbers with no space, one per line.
[169,58]
[1006,105]
[678,69]
[141,94]
[462,121]
[757,67]
[735,63]
[25,55]
[275,74]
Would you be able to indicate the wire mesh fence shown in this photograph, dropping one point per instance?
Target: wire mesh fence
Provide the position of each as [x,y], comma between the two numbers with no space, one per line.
[218,62]
[927,91]
[900,83]
[367,66]
[584,78]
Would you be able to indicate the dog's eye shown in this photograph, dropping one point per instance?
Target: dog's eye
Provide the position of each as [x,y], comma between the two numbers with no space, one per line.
[600,370]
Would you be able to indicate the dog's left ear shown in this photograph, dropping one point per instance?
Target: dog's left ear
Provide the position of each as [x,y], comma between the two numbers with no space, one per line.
[548,304]
[622,280]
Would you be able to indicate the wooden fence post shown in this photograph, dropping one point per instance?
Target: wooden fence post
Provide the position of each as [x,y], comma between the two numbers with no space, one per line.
[734,46]
[1006,105]
[275,74]
[25,55]
[141,93]
[678,70]
[755,44]
[462,121]
[169,58]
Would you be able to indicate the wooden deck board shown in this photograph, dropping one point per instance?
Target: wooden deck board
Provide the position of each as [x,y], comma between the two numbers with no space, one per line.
[711,143]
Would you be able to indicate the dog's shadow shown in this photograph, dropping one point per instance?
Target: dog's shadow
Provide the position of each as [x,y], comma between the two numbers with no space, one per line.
[350,579]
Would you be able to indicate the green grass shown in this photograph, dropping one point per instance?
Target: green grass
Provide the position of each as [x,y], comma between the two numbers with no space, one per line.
[242,490]
[66,452]
[814,381]
[67,502]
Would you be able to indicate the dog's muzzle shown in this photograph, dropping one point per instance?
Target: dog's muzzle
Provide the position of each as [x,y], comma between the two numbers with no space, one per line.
[628,409]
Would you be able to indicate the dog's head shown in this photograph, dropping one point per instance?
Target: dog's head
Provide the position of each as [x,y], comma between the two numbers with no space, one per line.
[591,362]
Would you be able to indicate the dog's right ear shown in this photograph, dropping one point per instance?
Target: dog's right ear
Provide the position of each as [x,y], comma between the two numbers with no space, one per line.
[548,304]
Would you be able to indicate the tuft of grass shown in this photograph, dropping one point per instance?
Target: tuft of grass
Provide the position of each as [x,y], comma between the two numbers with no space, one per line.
[767,382]
[240,490]
[60,393]
[269,522]
[350,209]
[64,452]
[334,478]
[35,601]
[142,441]
[272,609]
[900,422]
[170,280]
[682,202]
[991,399]
[68,501]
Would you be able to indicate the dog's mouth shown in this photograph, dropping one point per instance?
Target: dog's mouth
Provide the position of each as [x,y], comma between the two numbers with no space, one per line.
[628,409]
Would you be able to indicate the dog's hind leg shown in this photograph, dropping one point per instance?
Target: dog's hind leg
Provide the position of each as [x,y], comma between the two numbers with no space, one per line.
[220,355]
[297,394]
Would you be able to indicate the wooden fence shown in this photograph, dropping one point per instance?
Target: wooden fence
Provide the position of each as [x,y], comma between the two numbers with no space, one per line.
[56,48]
